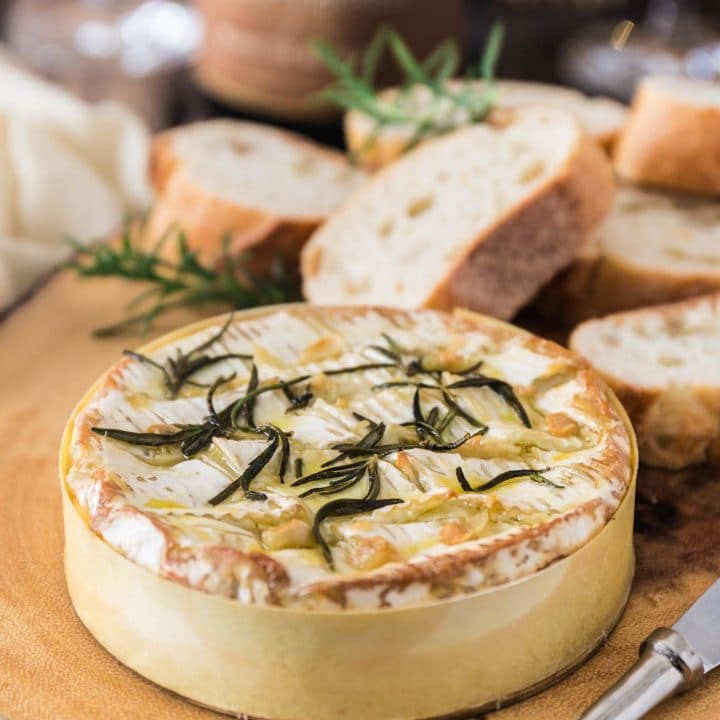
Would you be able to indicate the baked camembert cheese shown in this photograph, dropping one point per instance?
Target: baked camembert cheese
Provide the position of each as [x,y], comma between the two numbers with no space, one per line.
[332,458]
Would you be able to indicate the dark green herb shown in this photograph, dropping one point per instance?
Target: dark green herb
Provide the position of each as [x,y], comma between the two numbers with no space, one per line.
[179,370]
[284,453]
[358,368]
[192,439]
[534,475]
[255,467]
[342,508]
[368,441]
[248,408]
[297,402]
[500,388]
[464,484]
[354,88]
[178,283]
[366,452]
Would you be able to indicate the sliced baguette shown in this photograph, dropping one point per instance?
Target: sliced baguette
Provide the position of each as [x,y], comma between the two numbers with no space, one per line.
[653,248]
[663,364]
[479,218]
[672,136]
[267,188]
[602,118]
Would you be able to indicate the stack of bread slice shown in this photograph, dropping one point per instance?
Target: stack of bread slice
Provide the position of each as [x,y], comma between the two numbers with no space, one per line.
[658,245]
[654,247]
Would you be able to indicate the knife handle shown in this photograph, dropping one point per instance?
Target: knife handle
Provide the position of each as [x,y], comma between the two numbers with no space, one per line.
[667,665]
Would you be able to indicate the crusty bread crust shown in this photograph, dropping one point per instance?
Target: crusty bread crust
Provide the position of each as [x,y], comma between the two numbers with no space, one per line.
[669,143]
[507,263]
[593,287]
[505,266]
[206,219]
[676,426]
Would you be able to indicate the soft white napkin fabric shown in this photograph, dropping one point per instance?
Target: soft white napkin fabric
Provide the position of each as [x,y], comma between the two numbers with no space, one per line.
[66,168]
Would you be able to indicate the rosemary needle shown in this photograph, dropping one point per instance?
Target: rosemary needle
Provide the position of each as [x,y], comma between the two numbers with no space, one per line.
[354,87]
[182,282]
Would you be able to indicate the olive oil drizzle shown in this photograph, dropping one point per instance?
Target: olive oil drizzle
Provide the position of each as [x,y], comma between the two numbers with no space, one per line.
[178,371]
[354,461]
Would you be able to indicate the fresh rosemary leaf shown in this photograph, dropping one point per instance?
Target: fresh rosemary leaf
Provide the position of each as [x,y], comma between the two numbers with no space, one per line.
[297,402]
[328,473]
[358,368]
[235,409]
[142,438]
[149,361]
[460,475]
[198,442]
[387,353]
[470,369]
[355,89]
[344,482]
[249,404]
[373,481]
[491,53]
[454,407]
[369,440]
[342,508]
[213,416]
[284,453]
[534,475]
[405,383]
[254,468]
[500,388]
[447,419]
[182,282]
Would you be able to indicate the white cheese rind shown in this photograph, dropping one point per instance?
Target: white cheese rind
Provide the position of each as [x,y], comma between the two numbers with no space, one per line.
[438,542]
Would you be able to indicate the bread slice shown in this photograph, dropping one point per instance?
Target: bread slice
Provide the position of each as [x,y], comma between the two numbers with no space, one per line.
[662,363]
[653,248]
[602,118]
[479,218]
[267,188]
[672,137]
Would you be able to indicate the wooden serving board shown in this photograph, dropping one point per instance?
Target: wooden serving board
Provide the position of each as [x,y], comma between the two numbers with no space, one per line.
[51,668]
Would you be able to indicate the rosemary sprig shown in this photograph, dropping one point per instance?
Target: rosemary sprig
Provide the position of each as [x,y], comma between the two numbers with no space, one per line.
[342,508]
[184,282]
[276,438]
[192,439]
[355,86]
[353,461]
[362,457]
[534,475]
[178,370]
[502,389]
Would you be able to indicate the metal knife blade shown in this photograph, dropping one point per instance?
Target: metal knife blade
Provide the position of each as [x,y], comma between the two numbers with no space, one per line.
[671,661]
[700,626]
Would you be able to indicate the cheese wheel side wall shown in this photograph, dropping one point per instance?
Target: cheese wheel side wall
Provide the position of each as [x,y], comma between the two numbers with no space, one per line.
[448,658]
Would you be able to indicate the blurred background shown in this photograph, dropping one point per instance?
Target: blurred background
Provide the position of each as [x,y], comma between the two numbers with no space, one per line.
[84,83]
[176,61]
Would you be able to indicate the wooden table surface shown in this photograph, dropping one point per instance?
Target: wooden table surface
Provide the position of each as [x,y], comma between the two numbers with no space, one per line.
[51,668]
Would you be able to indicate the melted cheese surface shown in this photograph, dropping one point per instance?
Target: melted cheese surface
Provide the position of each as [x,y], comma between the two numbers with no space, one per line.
[153,505]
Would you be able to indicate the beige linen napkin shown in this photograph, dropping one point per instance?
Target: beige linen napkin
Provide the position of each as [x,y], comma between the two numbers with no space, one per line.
[66,168]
